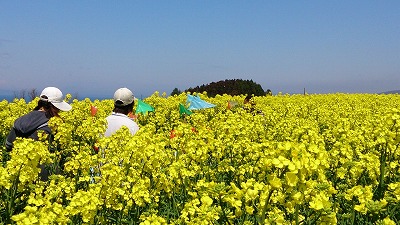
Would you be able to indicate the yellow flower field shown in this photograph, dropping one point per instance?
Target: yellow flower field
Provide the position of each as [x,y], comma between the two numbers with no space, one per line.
[296,159]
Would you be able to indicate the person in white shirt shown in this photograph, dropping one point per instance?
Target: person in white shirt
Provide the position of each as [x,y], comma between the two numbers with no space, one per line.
[123,105]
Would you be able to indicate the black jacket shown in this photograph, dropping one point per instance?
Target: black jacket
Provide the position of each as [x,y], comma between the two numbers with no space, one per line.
[27,126]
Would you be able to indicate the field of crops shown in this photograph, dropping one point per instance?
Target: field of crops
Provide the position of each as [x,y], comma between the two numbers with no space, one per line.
[297,159]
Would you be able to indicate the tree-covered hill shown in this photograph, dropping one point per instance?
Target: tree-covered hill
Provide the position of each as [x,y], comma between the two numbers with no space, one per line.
[231,87]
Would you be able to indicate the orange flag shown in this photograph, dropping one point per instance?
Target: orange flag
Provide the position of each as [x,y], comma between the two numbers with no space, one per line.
[172,134]
[93,110]
[132,116]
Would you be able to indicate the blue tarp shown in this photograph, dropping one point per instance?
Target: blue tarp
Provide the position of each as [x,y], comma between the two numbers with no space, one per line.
[196,103]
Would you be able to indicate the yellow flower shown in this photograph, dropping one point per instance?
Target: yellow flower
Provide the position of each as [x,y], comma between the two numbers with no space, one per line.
[361,208]
[388,221]
[291,179]
[275,182]
[320,201]
[206,200]
[249,210]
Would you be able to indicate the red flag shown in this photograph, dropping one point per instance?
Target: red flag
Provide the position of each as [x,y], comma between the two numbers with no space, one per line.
[132,116]
[93,110]
[172,134]
[95,148]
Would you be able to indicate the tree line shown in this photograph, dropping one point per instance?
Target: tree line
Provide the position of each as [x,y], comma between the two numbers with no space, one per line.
[228,86]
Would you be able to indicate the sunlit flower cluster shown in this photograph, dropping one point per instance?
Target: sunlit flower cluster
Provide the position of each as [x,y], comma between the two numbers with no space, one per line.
[292,159]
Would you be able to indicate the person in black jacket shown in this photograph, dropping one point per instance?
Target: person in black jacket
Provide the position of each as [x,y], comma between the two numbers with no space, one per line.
[27,126]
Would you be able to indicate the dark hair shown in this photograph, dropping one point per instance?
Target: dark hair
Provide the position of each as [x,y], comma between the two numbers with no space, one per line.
[49,108]
[124,109]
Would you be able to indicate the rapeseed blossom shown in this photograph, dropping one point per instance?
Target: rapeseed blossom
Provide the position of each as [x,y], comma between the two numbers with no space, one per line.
[312,159]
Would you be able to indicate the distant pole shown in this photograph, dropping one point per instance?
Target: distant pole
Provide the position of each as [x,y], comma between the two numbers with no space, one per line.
[304,91]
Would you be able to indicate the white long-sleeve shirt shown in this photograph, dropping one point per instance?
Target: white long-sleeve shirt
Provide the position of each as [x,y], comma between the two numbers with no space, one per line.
[117,120]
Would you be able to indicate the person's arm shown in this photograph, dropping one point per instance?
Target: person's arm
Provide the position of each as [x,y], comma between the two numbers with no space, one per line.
[10,139]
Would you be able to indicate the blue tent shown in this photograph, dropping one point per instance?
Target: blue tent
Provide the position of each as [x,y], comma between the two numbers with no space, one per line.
[195,102]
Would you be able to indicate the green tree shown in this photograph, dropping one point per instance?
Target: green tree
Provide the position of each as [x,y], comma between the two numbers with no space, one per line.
[176,91]
[231,87]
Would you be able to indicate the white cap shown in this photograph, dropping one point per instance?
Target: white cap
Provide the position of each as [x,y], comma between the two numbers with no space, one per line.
[123,97]
[55,97]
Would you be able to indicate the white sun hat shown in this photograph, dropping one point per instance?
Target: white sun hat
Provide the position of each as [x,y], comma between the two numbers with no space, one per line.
[55,97]
[123,97]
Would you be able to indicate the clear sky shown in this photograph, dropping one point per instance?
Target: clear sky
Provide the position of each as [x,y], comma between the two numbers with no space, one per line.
[91,48]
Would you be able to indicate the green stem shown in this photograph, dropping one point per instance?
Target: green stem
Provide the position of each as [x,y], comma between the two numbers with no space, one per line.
[11,198]
[353,214]
[382,169]
[223,211]
[262,219]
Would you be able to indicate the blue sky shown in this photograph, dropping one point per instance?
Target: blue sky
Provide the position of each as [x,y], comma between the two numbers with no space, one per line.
[91,48]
